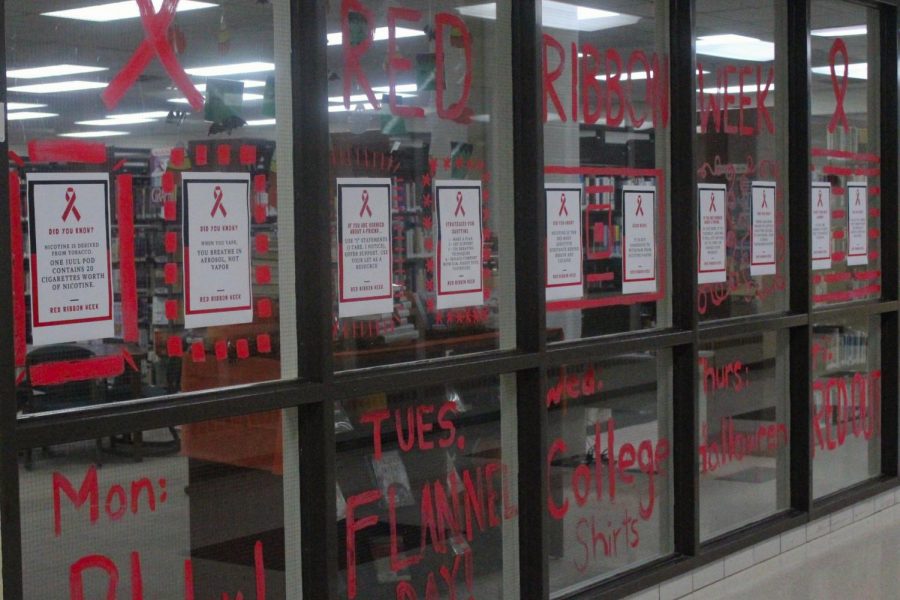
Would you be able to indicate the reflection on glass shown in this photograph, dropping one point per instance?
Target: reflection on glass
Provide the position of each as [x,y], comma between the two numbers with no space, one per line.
[147,182]
[743,431]
[606,126]
[846,411]
[426,493]
[845,138]
[738,147]
[609,456]
[420,119]
[195,509]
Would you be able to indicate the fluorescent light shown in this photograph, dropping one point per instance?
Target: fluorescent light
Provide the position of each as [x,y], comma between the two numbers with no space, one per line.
[740,47]
[233,69]
[58,87]
[246,98]
[93,134]
[153,114]
[840,31]
[854,70]
[260,122]
[379,35]
[115,11]
[107,122]
[51,71]
[636,76]
[23,105]
[248,83]
[736,89]
[559,15]
[26,114]
[404,90]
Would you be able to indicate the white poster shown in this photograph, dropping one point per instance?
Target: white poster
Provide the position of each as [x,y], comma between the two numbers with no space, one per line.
[762,228]
[712,233]
[639,239]
[459,246]
[564,246]
[857,223]
[821,225]
[216,234]
[71,285]
[364,247]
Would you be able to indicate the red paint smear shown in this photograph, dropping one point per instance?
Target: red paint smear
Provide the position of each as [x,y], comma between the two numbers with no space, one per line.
[846,295]
[847,171]
[837,256]
[243,348]
[817,279]
[873,255]
[599,277]
[127,269]
[875,212]
[171,309]
[867,275]
[55,373]
[18,268]
[264,308]
[259,183]
[169,210]
[248,154]
[201,155]
[837,277]
[262,243]
[264,343]
[600,189]
[171,242]
[875,191]
[118,165]
[837,191]
[177,156]
[223,154]
[168,182]
[174,346]
[263,274]
[874,232]
[838,235]
[259,213]
[198,352]
[171,273]
[221,350]
[16,158]
[837,214]
[66,151]
[874,158]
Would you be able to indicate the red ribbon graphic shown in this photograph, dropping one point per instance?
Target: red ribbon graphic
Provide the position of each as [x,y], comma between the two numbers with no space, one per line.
[712,203]
[840,88]
[764,203]
[365,204]
[156,25]
[70,206]
[217,194]
[562,206]
[820,200]
[640,207]
[459,206]
[857,198]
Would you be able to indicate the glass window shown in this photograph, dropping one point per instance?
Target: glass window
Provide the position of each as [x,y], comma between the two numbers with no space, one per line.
[743,431]
[739,153]
[845,132]
[427,494]
[145,172]
[609,461]
[196,508]
[420,114]
[606,143]
[846,411]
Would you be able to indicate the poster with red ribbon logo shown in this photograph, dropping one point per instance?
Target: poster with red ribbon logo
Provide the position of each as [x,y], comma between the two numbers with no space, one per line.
[459,248]
[820,213]
[564,245]
[858,223]
[712,233]
[216,234]
[762,229]
[71,284]
[365,260]
[639,239]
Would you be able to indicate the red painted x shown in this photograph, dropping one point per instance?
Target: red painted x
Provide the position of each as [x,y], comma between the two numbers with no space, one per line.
[155,27]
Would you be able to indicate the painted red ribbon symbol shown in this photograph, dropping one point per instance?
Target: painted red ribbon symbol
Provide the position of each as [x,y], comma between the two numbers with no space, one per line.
[365,204]
[70,206]
[712,203]
[156,26]
[840,88]
[820,201]
[562,206]
[640,207]
[217,194]
[459,206]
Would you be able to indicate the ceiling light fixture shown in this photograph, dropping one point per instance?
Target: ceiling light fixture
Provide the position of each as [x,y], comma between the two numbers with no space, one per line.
[246,98]
[847,31]
[248,84]
[233,69]
[559,15]
[108,121]
[58,87]
[738,47]
[115,11]
[379,34]
[51,71]
[26,114]
[23,105]
[93,134]
[260,122]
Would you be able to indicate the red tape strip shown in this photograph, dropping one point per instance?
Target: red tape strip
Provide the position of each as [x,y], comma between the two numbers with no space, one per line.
[221,350]
[223,155]
[198,352]
[262,243]
[243,348]
[264,343]
[175,346]
[264,308]
[55,373]
[171,309]
[168,182]
[171,242]
[170,272]
[18,268]
[248,154]
[66,151]
[169,210]
[127,269]
[201,157]
[263,274]
[177,157]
